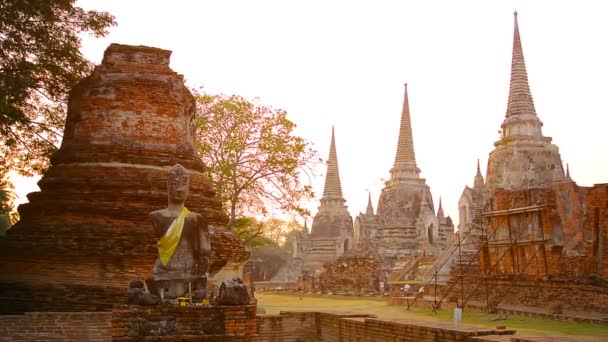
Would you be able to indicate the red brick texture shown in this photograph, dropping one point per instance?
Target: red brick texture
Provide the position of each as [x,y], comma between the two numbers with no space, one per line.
[546,247]
[287,326]
[86,234]
[57,326]
[313,326]
[572,235]
[175,323]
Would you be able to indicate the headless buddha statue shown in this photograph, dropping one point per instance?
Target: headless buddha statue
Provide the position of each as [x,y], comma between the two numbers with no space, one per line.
[182,240]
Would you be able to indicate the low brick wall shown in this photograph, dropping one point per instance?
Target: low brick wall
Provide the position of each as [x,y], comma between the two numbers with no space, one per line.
[57,326]
[287,326]
[170,322]
[201,324]
[311,326]
[408,330]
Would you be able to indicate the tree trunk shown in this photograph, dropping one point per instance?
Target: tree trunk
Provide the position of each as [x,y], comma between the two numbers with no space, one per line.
[232,216]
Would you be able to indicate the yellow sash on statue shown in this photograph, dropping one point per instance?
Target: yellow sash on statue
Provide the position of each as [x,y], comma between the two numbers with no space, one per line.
[168,243]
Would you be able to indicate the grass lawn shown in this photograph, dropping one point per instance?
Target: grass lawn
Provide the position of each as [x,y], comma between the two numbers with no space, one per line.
[525,326]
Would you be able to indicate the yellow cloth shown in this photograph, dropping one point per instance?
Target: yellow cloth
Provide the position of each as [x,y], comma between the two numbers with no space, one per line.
[168,243]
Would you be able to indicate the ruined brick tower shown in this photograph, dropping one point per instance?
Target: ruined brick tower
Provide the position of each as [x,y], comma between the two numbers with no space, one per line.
[86,234]
[530,223]
[332,227]
[523,158]
[406,220]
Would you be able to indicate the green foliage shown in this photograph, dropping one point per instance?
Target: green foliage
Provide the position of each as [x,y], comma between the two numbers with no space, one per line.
[252,156]
[8,216]
[40,62]
[251,232]
[272,232]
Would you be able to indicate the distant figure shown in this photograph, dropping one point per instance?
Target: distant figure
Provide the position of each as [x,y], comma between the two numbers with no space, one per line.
[406,288]
[381,286]
[421,290]
[301,287]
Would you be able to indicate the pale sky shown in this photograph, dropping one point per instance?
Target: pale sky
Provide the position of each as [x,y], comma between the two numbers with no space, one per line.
[344,63]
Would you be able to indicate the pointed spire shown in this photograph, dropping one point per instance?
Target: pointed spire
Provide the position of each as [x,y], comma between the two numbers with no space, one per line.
[405,160]
[440,214]
[332,189]
[370,208]
[478,183]
[306,226]
[520,97]
[568,172]
[405,147]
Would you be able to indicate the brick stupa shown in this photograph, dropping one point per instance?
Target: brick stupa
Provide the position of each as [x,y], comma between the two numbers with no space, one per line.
[86,234]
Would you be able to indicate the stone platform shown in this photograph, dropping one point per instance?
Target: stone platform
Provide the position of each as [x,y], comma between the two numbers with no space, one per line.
[176,323]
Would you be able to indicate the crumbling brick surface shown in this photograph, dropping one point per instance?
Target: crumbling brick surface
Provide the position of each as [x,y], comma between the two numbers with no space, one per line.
[545,247]
[175,323]
[582,294]
[558,231]
[57,326]
[86,234]
[356,272]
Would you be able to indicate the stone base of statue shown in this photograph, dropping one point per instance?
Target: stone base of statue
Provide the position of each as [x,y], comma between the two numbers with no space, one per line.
[178,287]
[179,323]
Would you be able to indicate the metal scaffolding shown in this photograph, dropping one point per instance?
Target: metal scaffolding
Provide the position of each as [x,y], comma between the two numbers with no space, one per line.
[511,223]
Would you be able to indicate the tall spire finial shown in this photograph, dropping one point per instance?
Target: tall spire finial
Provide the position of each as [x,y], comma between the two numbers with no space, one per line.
[370,209]
[440,214]
[568,171]
[405,147]
[478,182]
[333,187]
[405,159]
[520,97]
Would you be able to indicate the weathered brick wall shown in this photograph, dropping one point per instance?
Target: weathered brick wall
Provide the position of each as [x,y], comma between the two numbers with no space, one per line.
[333,327]
[309,326]
[596,213]
[586,295]
[172,323]
[351,275]
[87,232]
[57,326]
[356,272]
[214,323]
[573,221]
[287,326]
[408,330]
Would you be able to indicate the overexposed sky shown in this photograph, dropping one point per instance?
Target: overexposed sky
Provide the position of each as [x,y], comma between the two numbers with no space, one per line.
[344,63]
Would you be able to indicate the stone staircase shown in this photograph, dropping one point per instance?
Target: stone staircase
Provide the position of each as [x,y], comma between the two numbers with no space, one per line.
[413,269]
[400,273]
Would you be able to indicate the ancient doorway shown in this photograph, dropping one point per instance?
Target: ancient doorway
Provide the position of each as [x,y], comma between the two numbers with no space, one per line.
[346,245]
